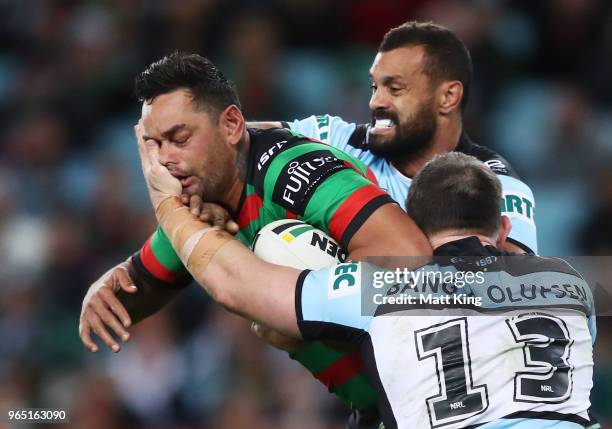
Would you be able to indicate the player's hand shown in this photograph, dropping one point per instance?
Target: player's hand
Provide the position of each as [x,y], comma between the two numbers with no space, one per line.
[102,310]
[210,213]
[160,182]
[276,339]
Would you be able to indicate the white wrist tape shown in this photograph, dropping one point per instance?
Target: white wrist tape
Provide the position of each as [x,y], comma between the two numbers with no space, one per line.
[192,241]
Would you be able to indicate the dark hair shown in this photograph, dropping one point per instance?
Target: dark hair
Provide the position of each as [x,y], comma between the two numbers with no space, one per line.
[447,58]
[208,86]
[455,191]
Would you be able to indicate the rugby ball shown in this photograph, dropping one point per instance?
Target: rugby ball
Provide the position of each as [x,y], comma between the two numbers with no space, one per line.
[296,244]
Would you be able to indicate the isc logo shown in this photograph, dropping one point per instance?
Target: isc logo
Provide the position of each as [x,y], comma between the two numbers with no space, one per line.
[344,279]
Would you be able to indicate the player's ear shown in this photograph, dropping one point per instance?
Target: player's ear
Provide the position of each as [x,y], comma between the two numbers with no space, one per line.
[505,226]
[231,124]
[450,94]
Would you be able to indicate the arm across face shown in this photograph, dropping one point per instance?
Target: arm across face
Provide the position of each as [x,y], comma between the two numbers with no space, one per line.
[216,260]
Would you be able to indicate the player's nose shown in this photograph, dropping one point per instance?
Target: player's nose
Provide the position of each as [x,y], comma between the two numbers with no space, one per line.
[378,100]
[166,154]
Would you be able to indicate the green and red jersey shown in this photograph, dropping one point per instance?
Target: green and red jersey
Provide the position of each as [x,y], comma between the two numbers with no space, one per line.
[290,176]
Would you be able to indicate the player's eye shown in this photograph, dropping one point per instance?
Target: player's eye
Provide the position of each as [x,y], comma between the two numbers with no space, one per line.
[157,142]
[181,139]
[373,86]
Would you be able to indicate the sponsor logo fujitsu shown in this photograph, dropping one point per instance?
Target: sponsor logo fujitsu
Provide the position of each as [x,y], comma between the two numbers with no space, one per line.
[300,175]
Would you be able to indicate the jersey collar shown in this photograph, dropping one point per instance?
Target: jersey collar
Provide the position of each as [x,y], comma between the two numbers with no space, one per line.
[469,246]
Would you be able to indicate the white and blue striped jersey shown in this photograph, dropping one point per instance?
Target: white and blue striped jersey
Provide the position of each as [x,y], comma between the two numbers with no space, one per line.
[521,358]
[517,203]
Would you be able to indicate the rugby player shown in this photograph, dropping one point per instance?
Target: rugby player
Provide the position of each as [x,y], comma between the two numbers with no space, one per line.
[193,114]
[421,79]
[522,358]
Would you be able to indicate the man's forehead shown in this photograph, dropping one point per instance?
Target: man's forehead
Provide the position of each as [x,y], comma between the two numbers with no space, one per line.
[400,62]
[180,99]
[166,110]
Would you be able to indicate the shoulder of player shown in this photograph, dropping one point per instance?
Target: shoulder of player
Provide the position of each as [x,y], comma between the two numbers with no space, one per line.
[273,141]
[525,264]
[497,163]
[329,127]
[471,249]
[268,145]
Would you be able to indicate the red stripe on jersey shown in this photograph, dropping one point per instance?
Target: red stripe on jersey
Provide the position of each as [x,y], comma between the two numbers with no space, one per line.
[350,208]
[370,175]
[290,215]
[312,139]
[341,371]
[250,210]
[152,265]
[349,164]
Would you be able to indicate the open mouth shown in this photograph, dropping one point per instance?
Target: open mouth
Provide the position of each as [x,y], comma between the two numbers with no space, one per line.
[382,121]
[382,126]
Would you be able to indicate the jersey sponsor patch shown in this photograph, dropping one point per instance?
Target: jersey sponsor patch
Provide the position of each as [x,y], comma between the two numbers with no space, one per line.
[344,280]
[497,166]
[299,179]
[269,153]
[518,205]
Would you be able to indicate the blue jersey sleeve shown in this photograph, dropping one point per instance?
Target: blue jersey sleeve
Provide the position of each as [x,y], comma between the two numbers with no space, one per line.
[332,130]
[328,303]
[519,205]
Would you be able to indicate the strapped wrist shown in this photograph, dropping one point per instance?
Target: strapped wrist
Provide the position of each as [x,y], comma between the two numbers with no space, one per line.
[196,241]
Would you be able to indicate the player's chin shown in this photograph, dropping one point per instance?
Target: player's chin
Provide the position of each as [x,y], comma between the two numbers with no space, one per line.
[192,189]
[380,137]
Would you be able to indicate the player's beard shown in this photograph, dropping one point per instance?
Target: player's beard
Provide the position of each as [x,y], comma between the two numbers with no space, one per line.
[412,138]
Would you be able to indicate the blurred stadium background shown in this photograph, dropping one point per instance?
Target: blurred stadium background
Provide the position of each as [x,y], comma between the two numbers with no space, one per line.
[72,201]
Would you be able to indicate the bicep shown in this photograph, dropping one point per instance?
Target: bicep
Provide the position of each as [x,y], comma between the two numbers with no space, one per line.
[253,288]
[341,204]
[272,301]
[388,231]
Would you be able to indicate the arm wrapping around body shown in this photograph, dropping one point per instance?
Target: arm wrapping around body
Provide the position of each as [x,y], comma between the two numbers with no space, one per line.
[225,268]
